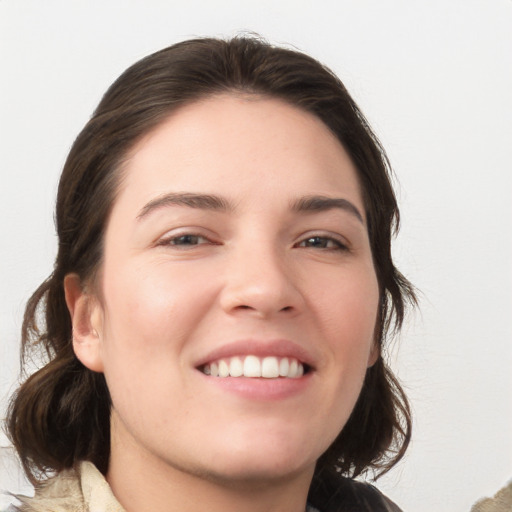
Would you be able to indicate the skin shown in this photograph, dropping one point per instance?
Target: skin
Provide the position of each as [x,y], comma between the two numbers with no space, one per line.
[255,270]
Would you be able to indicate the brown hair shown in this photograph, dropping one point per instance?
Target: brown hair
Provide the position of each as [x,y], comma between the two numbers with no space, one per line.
[61,413]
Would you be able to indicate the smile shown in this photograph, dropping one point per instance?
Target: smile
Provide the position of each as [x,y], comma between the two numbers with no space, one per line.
[270,367]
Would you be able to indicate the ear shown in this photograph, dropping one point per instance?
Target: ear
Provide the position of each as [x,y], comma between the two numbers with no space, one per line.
[373,355]
[87,320]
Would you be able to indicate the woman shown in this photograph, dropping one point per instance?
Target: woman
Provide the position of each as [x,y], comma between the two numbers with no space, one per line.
[221,296]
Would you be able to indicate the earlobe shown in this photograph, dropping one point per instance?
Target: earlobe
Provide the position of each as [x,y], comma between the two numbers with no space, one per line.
[86,319]
[373,355]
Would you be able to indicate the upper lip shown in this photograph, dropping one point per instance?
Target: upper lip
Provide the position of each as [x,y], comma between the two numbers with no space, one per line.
[276,348]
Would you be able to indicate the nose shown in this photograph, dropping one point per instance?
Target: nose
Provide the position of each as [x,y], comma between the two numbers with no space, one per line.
[260,281]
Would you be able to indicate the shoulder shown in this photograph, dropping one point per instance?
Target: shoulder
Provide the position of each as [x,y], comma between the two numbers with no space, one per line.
[501,502]
[61,493]
[347,495]
[82,489]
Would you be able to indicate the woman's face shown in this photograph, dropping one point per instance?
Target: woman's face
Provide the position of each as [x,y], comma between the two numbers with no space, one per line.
[237,246]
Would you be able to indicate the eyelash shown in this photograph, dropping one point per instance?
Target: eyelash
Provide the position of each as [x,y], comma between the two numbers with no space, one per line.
[188,240]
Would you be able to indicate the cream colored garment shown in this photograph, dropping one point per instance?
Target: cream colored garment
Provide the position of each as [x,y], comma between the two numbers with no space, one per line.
[83,490]
[501,502]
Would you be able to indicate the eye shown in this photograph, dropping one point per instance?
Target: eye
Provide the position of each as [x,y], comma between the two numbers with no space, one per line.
[184,240]
[322,242]
[188,240]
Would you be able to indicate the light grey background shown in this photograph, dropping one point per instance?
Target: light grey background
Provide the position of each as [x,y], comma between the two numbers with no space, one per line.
[434,78]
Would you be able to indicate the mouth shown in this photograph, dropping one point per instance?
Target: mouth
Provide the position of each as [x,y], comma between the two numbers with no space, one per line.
[260,370]
[253,366]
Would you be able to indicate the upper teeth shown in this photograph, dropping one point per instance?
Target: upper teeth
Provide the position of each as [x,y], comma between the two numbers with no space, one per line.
[252,366]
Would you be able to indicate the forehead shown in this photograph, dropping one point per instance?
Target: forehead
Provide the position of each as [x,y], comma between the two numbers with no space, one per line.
[239,145]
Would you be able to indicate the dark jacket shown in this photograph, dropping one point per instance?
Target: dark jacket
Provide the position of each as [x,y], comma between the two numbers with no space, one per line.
[338,494]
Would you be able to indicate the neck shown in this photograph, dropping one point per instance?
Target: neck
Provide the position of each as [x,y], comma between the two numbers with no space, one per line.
[142,482]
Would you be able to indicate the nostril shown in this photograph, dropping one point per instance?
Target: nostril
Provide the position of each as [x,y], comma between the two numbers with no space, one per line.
[287,308]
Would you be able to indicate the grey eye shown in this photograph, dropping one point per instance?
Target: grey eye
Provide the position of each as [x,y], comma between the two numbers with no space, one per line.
[321,242]
[187,240]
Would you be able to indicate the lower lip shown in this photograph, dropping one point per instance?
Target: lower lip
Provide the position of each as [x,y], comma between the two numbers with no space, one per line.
[261,388]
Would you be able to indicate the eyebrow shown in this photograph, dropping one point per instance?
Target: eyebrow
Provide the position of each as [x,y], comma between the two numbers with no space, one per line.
[323,203]
[199,201]
[217,203]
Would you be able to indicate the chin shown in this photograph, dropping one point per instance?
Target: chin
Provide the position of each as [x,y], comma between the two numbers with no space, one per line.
[257,463]
[253,474]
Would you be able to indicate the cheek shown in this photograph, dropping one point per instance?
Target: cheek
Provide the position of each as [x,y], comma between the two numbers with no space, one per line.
[349,306]
[149,313]
[154,315]
[148,317]
[347,316]
[151,295]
